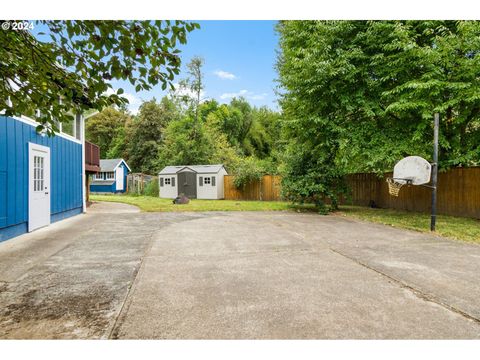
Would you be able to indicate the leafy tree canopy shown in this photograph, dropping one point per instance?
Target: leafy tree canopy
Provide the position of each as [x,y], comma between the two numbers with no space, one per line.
[186,143]
[106,126]
[147,133]
[360,95]
[78,61]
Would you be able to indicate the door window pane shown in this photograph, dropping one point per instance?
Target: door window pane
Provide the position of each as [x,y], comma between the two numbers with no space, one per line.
[38,173]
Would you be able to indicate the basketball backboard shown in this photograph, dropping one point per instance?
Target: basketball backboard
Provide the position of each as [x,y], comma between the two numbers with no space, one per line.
[412,169]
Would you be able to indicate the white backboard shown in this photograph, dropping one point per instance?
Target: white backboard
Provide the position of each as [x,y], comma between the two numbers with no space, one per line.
[414,168]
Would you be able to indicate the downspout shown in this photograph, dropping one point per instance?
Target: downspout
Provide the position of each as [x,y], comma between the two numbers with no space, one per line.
[82,139]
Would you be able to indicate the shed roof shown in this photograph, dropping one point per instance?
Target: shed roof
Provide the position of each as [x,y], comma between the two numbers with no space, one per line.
[111,164]
[201,169]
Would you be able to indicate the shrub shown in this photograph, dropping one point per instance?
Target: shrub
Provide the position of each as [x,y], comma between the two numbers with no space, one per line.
[247,170]
[151,189]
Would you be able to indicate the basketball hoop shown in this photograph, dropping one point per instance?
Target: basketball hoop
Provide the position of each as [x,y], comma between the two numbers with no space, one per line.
[412,170]
[394,187]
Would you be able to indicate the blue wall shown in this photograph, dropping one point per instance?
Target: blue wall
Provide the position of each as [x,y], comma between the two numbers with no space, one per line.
[112,188]
[65,178]
[103,188]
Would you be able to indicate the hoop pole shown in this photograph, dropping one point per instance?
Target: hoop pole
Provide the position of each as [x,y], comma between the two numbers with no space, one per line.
[433,217]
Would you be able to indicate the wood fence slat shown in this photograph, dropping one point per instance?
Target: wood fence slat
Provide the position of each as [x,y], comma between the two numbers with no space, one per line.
[458,192]
[268,189]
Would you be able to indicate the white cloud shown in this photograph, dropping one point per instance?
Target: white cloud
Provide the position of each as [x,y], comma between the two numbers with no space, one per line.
[224,75]
[134,101]
[258,96]
[225,96]
[183,91]
[244,93]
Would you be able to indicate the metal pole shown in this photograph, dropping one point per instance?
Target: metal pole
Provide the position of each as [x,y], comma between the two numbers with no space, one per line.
[434,172]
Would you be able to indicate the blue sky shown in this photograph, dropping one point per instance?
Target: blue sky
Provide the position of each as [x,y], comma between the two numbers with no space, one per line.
[239,60]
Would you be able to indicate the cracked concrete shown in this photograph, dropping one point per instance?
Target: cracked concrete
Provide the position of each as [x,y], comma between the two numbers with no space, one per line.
[119,273]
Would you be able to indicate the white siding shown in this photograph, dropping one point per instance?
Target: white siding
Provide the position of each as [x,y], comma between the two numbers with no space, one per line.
[208,191]
[168,191]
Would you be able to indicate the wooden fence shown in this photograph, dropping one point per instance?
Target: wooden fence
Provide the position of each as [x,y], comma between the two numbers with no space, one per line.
[136,182]
[268,189]
[458,193]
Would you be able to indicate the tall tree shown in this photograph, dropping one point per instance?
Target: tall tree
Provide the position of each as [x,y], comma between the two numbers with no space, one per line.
[191,87]
[147,133]
[75,61]
[104,128]
[360,95]
[186,143]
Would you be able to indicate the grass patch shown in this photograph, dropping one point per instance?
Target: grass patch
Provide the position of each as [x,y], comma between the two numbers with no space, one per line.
[459,228]
[155,204]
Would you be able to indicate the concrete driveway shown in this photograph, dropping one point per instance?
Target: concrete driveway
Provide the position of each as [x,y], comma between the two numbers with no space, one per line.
[119,273]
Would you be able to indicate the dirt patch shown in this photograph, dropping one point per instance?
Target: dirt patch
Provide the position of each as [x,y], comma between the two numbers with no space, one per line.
[43,313]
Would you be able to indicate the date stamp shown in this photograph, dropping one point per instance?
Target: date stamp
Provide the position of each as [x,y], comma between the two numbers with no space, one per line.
[17,25]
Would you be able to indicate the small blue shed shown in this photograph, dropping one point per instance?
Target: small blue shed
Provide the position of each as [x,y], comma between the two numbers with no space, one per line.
[112,177]
[41,177]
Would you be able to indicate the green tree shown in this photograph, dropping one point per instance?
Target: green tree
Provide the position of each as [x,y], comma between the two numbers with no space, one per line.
[246,119]
[253,131]
[263,137]
[192,86]
[227,120]
[360,95]
[186,143]
[147,133]
[118,148]
[106,128]
[78,60]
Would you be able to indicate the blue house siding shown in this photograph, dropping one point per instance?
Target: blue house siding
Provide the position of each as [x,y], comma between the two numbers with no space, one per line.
[112,188]
[65,175]
[103,188]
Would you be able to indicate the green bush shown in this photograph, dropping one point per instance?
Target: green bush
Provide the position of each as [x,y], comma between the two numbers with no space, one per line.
[247,170]
[151,189]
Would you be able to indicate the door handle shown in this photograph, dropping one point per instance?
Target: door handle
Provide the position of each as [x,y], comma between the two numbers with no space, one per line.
[46,193]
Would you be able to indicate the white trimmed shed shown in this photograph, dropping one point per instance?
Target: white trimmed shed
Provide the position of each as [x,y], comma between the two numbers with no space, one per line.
[193,181]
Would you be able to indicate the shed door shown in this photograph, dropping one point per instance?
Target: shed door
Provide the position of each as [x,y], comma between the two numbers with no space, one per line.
[38,186]
[119,178]
[187,184]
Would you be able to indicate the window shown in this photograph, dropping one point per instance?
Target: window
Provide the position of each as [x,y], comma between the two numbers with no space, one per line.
[99,176]
[207,181]
[110,175]
[38,173]
[167,181]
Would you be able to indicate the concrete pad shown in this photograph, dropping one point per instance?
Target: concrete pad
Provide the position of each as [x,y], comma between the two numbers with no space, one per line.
[118,273]
[443,270]
[257,276]
[77,283]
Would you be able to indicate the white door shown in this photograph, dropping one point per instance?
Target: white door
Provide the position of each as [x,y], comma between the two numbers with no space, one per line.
[38,186]
[119,178]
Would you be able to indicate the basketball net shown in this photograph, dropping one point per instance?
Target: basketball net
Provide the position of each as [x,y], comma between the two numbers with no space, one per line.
[394,187]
